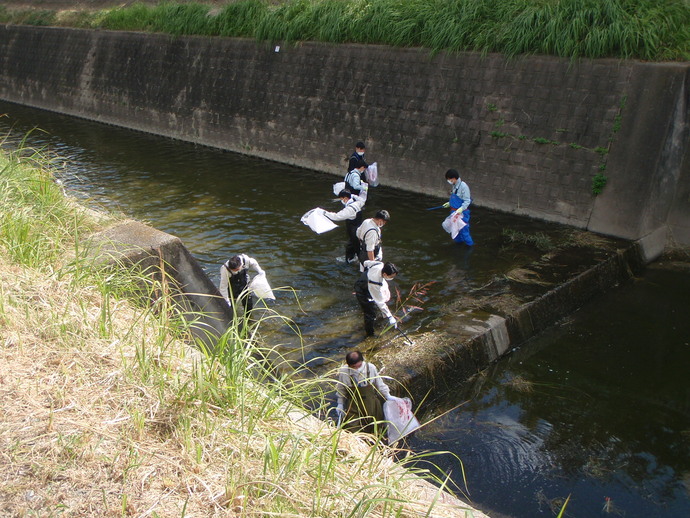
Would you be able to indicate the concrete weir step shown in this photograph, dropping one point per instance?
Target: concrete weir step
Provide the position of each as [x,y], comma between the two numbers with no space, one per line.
[488,322]
[133,243]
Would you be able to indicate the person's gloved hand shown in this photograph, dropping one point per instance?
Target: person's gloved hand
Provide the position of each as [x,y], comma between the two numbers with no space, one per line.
[446,205]
[459,212]
[392,321]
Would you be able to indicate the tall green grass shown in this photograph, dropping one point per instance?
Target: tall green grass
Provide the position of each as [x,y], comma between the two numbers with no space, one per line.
[643,29]
[36,222]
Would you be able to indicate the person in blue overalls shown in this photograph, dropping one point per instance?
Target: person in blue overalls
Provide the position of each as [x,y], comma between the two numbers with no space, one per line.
[459,202]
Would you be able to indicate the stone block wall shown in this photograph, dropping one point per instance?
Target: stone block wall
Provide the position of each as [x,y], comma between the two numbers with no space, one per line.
[528,134]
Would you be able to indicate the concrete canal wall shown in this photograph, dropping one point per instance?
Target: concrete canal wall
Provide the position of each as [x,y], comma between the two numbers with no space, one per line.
[528,134]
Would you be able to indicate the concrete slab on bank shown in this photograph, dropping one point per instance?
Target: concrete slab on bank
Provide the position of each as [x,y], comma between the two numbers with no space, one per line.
[133,243]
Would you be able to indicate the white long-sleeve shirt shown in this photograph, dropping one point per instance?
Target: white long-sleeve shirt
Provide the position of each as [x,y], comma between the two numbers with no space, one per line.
[367,373]
[378,286]
[247,263]
[351,209]
[370,233]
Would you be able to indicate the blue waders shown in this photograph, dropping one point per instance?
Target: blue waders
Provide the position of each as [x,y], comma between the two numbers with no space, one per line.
[464,235]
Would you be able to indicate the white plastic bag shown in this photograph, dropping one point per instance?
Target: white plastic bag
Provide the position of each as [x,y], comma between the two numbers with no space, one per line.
[373,174]
[453,224]
[259,286]
[337,187]
[316,221]
[401,420]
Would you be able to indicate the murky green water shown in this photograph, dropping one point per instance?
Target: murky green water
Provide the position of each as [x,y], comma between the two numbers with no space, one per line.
[607,413]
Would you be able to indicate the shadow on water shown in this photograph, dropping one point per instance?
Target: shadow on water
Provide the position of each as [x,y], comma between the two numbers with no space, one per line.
[597,407]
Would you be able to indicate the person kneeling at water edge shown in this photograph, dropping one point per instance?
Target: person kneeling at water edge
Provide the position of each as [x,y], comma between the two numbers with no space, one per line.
[460,200]
[372,290]
[361,392]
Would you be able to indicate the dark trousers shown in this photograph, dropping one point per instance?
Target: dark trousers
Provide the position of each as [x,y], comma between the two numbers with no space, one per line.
[352,246]
[238,285]
[369,309]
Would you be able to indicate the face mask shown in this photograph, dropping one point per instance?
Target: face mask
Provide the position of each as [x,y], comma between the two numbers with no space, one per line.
[450,182]
[360,154]
[344,202]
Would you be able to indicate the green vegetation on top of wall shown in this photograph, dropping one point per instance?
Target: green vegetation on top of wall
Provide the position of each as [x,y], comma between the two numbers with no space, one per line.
[643,29]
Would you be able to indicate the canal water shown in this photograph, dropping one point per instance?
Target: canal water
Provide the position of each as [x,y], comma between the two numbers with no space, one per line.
[220,204]
[598,407]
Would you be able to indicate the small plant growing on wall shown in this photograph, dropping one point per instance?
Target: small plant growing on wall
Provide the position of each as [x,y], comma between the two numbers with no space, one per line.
[542,140]
[618,118]
[598,183]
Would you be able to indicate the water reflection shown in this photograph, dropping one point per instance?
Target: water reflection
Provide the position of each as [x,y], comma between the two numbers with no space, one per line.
[598,408]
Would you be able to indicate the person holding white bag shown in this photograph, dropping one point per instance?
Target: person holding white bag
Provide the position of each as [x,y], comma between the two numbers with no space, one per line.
[356,156]
[351,214]
[459,203]
[361,392]
[236,286]
[355,179]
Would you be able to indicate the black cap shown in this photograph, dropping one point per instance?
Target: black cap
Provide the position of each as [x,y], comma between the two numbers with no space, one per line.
[360,145]
[382,214]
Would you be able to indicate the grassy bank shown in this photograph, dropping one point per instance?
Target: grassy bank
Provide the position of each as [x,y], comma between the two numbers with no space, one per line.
[643,29]
[108,410]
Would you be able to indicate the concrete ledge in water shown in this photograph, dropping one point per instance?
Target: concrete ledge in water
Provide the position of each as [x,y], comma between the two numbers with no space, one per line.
[488,322]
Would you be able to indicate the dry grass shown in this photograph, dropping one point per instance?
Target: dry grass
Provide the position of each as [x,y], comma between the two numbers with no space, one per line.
[82,434]
[104,411]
